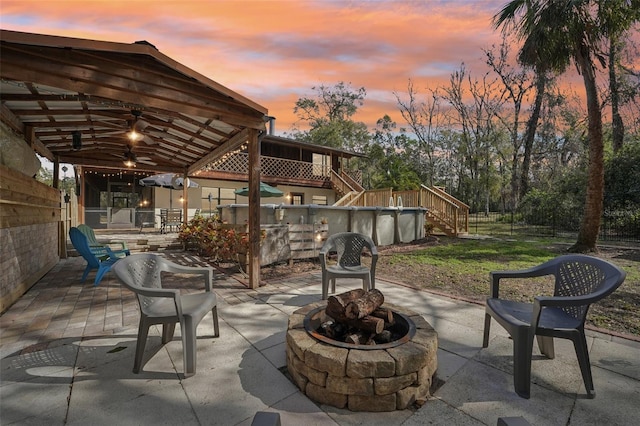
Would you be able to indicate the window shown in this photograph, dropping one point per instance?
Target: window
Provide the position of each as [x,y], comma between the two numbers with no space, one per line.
[321,165]
[219,196]
[297,198]
[321,200]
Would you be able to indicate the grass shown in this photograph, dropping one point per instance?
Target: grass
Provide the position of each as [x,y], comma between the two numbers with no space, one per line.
[460,267]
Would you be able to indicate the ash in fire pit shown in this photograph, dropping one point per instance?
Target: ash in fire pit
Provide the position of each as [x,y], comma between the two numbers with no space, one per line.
[356,319]
[380,376]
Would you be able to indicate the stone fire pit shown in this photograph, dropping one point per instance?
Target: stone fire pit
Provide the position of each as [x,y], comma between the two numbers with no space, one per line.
[385,378]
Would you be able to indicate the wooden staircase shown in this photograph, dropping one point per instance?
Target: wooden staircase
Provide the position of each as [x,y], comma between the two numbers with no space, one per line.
[445,212]
[347,188]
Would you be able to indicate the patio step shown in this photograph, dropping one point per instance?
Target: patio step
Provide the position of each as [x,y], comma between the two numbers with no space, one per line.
[136,242]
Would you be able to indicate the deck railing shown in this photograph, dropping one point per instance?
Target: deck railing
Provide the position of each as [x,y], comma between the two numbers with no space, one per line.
[275,167]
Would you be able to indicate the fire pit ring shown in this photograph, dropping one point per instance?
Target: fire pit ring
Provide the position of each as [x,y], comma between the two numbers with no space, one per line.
[316,316]
[378,378]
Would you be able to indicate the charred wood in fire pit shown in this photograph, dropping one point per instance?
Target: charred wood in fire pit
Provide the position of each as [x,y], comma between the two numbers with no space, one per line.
[363,306]
[334,330]
[385,337]
[371,324]
[358,338]
[385,314]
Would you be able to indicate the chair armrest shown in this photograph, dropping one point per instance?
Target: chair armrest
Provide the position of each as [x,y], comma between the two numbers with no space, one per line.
[560,301]
[205,271]
[114,254]
[158,292]
[496,276]
[123,244]
[323,258]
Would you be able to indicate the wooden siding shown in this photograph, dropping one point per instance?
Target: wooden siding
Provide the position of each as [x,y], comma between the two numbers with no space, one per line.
[30,230]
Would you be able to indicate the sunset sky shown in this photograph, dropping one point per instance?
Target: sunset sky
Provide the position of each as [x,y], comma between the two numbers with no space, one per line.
[274,52]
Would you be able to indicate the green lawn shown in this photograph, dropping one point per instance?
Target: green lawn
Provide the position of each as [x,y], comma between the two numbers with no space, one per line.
[460,267]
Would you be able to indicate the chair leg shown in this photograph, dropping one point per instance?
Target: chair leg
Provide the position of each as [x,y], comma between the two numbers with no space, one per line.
[366,283]
[167,332]
[216,330]
[522,345]
[143,332]
[100,274]
[487,327]
[333,285]
[85,273]
[188,329]
[545,343]
[325,286]
[580,345]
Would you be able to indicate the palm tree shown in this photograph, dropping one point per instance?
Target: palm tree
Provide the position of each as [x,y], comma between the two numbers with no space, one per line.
[554,33]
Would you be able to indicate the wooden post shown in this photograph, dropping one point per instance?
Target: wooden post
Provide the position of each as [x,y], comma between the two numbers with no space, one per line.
[185,197]
[81,196]
[254,209]
[56,174]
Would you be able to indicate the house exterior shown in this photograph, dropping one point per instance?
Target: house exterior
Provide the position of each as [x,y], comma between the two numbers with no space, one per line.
[302,171]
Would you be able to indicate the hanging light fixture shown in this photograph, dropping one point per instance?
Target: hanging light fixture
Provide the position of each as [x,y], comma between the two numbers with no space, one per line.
[134,134]
[129,158]
[76,140]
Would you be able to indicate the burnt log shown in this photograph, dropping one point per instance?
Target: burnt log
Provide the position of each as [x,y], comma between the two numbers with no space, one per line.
[371,324]
[357,338]
[363,306]
[384,337]
[385,314]
[337,304]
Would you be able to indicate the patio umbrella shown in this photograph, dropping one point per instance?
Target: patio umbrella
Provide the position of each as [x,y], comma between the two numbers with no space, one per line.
[167,180]
[265,191]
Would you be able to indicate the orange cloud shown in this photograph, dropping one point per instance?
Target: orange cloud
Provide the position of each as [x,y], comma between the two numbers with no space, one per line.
[273,52]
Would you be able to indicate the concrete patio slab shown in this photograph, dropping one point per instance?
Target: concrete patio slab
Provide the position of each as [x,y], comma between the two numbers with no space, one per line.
[68,350]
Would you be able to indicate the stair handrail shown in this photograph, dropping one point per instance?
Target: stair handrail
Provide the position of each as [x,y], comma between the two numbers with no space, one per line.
[356,198]
[454,212]
[353,184]
[448,196]
[340,184]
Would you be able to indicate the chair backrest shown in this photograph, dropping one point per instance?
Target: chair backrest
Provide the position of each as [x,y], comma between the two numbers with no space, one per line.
[89,233]
[581,275]
[348,246]
[174,216]
[140,271]
[81,244]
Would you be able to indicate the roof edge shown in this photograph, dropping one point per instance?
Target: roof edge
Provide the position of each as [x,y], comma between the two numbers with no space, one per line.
[136,48]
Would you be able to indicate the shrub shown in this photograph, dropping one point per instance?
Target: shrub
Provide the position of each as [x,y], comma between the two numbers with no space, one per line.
[215,240]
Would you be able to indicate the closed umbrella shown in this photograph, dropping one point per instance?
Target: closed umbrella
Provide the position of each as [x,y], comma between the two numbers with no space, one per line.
[167,180]
[265,191]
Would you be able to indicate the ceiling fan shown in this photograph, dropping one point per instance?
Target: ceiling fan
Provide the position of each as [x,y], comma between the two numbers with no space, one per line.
[130,158]
[137,126]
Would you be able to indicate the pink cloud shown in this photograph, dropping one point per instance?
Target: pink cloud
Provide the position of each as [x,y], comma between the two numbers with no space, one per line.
[273,52]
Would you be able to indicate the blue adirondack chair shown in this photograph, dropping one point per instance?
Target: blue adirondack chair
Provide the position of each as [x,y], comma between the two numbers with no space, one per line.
[100,258]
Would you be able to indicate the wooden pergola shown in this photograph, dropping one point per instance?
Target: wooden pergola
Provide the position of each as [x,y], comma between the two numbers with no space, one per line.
[75,101]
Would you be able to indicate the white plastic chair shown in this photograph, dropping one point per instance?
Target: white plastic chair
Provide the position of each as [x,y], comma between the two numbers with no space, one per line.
[141,273]
[348,246]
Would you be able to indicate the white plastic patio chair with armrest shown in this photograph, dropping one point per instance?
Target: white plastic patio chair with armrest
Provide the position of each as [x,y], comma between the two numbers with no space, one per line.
[349,247]
[141,273]
[580,280]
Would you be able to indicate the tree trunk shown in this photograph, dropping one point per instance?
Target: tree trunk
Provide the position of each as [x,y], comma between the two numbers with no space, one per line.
[590,226]
[530,132]
[617,125]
